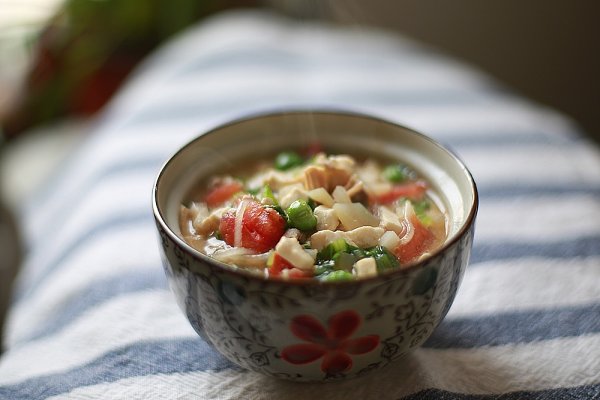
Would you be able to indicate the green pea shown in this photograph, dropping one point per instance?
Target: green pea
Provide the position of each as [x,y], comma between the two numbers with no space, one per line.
[301,216]
[287,160]
[337,276]
[395,173]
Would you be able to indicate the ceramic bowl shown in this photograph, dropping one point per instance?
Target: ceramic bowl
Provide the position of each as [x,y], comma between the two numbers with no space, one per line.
[308,330]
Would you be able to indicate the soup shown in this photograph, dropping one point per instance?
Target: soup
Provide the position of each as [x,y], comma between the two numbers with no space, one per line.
[331,217]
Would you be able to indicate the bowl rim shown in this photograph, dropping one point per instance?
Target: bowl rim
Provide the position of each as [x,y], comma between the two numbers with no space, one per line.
[241,272]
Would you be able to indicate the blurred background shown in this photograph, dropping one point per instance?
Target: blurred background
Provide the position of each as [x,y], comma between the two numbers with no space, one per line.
[62,60]
[545,50]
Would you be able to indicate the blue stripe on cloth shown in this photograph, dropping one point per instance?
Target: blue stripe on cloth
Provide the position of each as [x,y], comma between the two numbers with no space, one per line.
[516,327]
[587,392]
[578,246]
[112,223]
[98,292]
[139,359]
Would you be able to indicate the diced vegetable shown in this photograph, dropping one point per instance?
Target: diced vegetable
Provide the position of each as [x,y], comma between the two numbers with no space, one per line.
[411,190]
[395,173]
[321,195]
[278,264]
[343,261]
[337,276]
[241,256]
[389,240]
[365,236]
[332,249]
[325,217]
[420,241]
[320,239]
[290,193]
[262,227]
[267,193]
[313,149]
[384,259]
[354,215]
[221,193]
[294,253]
[288,160]
[324,267]
[340,195]
[297,273]
[365,267]
[301,216]
[421,208]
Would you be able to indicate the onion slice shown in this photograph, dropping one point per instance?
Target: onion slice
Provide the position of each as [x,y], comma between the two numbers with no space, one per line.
[242,257]
[239,219]
[408,229]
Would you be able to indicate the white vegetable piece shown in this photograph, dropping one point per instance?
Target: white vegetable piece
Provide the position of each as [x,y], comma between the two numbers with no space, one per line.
[326,218]
[364,236]
[294,253]
[370,174]
[241,257]
[340,195]
[390,220]
[289,194]
[356,188]
[320,195]
[389,240]
[354,215]
[206,223]
[275,180]
[341,161]
[320,239]
[365,267]
[199,212]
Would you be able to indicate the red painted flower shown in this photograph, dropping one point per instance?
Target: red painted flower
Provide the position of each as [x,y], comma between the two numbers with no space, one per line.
[332,344]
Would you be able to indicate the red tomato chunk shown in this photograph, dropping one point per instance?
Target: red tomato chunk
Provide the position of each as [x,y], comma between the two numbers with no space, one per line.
[420,242]
[262,227]
[413,190]
[220,194]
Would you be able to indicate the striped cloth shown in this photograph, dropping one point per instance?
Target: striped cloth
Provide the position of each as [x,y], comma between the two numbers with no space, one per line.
[93,317]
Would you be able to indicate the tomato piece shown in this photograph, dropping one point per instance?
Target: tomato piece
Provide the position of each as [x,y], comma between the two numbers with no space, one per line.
[420,242]
[412,190]
[262,227]
[297,273]
[221,193]
[313,149]
[279,264]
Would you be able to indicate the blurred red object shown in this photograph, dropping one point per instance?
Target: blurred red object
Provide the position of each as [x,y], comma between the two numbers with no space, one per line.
[86,51]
